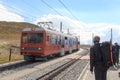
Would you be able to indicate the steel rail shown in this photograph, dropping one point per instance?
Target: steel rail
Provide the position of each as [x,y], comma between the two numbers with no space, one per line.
[51,74]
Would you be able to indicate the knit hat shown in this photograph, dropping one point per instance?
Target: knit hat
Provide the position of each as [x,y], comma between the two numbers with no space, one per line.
[96,39]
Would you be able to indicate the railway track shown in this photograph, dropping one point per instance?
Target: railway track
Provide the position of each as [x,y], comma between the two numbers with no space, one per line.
[11,66]
[51,74]
[18,64]
[20,67]
[14,65]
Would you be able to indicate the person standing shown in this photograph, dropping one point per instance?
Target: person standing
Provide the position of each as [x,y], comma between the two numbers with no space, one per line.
[116,52]
[96,60]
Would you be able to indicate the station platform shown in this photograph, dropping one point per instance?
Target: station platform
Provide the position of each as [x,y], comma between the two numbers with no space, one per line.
[112,74]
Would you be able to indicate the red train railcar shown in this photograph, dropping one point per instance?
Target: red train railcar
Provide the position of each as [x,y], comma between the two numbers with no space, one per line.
[43,42]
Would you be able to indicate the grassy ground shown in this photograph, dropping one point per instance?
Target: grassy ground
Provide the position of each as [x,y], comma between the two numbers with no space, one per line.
[4,57]
[5,52]
[10,34]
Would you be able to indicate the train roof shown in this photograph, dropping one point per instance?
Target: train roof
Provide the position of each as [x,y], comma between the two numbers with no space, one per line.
[47,30]
[41,28]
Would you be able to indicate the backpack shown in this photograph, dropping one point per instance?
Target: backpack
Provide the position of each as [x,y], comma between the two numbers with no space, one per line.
[106,49]
[97,53]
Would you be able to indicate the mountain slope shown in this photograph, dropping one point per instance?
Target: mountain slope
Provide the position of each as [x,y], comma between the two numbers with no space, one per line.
[10,32]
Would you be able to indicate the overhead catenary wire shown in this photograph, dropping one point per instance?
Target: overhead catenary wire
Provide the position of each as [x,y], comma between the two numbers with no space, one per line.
[46,3]
[51,7]
[33,7]
[68,9]
[19,12]
[28,15]
[57,11]
[14,13]
[25,2]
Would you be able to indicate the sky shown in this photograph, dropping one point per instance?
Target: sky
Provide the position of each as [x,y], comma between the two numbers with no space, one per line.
[85,18]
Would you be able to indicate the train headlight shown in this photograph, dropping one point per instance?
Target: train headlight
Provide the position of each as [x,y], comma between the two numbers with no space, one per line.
[39,48]
[23,48]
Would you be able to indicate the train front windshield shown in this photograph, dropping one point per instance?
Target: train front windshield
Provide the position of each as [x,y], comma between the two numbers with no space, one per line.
[32,37]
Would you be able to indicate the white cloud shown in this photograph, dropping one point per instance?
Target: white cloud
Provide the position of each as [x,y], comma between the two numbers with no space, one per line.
[6,15]
[82,29]
[67,22]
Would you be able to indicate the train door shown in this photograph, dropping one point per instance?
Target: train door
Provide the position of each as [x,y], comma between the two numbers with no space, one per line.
[70,45]
[77,43]
[62,46]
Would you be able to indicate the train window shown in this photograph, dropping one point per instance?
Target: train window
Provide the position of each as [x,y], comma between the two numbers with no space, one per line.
[54,39]
[35,37]
[48,39]
[70,42]
[24,38]
[59,40]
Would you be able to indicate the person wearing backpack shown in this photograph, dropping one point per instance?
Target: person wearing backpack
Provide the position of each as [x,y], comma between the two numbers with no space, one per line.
[96,60]
[116,52]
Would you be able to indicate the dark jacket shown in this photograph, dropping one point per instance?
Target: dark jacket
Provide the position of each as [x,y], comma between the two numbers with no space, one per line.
[96,59]
[116,49]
